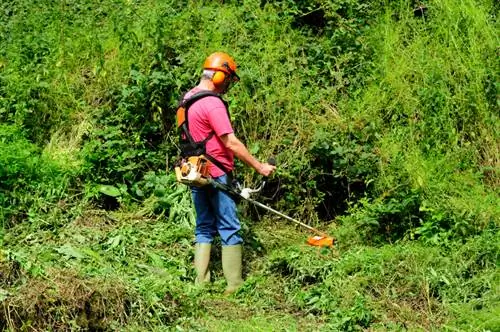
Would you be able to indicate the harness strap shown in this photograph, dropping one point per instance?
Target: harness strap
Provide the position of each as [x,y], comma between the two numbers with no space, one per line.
[198,148]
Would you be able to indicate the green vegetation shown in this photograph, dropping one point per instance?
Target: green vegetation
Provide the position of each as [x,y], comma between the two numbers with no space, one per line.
[384,121]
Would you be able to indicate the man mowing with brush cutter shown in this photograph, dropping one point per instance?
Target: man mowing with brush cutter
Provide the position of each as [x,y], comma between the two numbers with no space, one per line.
[208,146]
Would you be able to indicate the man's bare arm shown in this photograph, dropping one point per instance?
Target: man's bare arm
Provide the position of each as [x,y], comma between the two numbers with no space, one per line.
[241,152]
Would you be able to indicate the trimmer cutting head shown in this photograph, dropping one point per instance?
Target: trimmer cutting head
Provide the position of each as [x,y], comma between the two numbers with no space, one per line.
[320,241]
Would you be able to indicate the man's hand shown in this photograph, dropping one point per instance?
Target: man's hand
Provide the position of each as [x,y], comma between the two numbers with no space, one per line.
[266,169]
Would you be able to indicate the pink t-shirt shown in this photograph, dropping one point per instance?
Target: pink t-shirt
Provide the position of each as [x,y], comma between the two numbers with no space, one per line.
[208,115]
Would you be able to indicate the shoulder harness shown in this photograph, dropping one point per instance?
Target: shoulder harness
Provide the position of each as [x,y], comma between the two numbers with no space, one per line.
[188,146]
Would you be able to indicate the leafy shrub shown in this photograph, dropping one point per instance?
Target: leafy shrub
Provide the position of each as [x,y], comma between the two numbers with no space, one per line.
[342,58]
[129,136]
[344,163]
[29,96]
[30,182]
[387,219]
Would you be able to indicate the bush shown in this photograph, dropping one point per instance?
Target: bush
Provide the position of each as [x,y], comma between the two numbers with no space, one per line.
[30,182]
[344,163]
[128,137]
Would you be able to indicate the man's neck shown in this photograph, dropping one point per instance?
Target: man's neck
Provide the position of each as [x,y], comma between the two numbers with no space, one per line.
[206,85]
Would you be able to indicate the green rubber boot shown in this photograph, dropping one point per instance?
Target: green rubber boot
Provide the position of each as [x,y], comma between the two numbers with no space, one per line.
[231,265]
[201,260]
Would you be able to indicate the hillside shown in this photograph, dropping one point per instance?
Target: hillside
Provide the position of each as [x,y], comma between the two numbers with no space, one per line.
[383,117]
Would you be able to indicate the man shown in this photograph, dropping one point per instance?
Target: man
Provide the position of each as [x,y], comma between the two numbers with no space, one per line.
[208,119]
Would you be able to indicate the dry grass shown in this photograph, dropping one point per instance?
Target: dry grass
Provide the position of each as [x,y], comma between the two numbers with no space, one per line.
[63,300]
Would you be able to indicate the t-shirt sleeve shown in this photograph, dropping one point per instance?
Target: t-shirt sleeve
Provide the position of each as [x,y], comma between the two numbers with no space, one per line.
[218,117]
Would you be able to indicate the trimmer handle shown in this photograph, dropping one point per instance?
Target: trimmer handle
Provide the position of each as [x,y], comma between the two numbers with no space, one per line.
[271,161]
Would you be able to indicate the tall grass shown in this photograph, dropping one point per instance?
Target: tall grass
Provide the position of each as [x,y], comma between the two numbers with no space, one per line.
[432,98]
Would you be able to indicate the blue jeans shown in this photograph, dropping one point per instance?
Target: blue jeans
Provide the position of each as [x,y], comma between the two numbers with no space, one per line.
[215,212]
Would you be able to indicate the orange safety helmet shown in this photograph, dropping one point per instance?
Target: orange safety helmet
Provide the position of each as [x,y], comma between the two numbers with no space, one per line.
[224,67]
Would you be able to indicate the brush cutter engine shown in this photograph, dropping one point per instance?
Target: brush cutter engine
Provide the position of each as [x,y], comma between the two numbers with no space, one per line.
[194,171]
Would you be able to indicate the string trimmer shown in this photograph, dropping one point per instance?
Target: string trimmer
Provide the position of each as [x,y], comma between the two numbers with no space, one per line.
[320,240]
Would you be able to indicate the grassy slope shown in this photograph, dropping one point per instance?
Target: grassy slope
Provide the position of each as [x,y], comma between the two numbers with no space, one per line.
[73,265]
[124,268]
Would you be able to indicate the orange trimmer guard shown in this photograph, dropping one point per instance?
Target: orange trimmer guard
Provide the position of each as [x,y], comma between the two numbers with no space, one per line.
[320,241]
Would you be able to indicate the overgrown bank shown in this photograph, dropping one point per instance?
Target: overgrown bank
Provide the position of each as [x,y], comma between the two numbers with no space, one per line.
[384,123]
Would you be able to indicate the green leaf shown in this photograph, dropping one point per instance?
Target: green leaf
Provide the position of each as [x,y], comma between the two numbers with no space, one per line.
[254,148]
[4,294]
[68,250]
[109,190]
[114,241]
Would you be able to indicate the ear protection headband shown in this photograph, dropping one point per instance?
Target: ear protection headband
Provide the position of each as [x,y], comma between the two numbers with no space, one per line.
[220,76]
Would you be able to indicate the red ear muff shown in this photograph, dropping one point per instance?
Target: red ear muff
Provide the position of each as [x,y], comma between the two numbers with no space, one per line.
[218,78]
